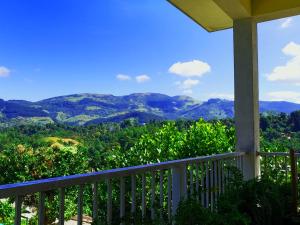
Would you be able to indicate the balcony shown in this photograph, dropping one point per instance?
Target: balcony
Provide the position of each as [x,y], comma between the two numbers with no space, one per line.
[155,190]
[135,193]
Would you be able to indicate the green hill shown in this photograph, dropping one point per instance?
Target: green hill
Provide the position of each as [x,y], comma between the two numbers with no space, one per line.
[81,109]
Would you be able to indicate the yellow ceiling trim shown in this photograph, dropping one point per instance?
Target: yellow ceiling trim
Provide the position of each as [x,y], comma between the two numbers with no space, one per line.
[264,10]
[236,9]
[216,15]
[206,13]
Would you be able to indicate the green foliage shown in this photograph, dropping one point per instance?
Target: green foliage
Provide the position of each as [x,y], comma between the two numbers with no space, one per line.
[6,212]
[37,152]
[204,138]
[295,120]
[254,202]
[191,212]
[30,152]
[169,143]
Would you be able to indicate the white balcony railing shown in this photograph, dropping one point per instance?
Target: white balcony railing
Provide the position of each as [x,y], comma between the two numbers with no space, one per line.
[277,165]
[170,181]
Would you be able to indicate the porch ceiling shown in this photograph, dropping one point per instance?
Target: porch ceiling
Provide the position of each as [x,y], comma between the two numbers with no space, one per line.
[216,15]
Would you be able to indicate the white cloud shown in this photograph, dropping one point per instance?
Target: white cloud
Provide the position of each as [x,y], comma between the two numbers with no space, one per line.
[290,72]
[291,96]
[187,92]
[142,78]
[286,23]
[4,72]
[123,77]
[227,96]
[292,49]
[195,68]
[187,84]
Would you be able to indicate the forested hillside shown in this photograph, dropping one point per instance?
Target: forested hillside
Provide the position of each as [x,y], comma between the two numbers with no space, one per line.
[87,109]
[30,152]
[78,149]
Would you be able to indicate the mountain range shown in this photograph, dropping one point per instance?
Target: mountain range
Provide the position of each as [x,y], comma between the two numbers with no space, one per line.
[85,109]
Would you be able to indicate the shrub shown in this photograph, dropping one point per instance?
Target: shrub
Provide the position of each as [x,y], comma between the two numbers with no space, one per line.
[254,202]
[6,212]
[191,212]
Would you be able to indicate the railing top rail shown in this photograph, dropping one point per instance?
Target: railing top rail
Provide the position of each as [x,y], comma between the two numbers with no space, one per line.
[268,154]
[9,190]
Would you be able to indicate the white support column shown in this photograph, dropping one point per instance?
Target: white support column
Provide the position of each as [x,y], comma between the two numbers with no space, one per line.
[178,186]
[246,94]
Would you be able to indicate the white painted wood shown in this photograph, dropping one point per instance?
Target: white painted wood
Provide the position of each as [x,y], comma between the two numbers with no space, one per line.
[215,189]
[246,94]
[207,184]
[95,201]
[203,173]
[169,195]
[122,198]
[240,163]
[197,181]
[143,195]
[133,194]
[223,175]
[161,189]
[178,186]
[41,208]
[18,209]
[109,202]
[191,180]
[269,154]
[10,190]
[211,184]
[242,156]
[286,169]
[152,195]
[219,177]
[80,205]
[61,219]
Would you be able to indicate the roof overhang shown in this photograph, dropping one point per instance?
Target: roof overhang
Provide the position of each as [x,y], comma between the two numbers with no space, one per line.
[216,15]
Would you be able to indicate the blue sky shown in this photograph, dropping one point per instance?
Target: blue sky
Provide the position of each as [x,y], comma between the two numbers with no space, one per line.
[58,47]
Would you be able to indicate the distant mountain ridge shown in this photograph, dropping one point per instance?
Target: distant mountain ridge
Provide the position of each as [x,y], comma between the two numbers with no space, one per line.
[82,109]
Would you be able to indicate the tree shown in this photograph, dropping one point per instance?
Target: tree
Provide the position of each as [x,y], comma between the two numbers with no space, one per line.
[295,120]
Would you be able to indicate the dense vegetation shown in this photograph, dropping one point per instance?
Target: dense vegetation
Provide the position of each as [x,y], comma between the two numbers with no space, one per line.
[254,202]
[67,150]
[29,152]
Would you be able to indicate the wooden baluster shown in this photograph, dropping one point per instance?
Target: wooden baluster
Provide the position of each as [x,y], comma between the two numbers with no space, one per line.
[95,201]
[18,210]
[207,184]
[152,195]
[215,181]
[61,206]
[191,180]
[122,199]
[219,177]
[203,184]
[41,208]
[133,194]
[197,181]
[211,184]
[178,186]
[143,196]
[109,202]
[161,191]
[294,177]
[169,195]
[80,205]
